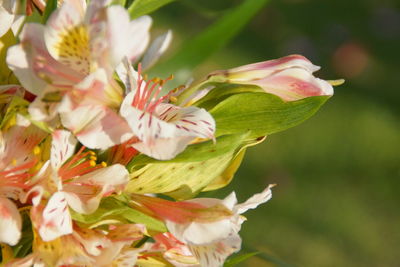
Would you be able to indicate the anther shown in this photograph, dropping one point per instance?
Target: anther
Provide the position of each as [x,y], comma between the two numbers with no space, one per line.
[36,150]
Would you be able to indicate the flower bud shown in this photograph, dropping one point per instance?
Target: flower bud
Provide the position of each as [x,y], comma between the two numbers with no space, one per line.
[289,77]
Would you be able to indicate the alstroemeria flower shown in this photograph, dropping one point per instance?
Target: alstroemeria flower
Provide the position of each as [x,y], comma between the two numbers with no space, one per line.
[16,159]
[290,78]
[209,227]
[86,247]
[79,183]
[163,130]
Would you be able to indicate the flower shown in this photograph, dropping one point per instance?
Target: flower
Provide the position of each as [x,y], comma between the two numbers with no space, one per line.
[208,227]
[17,158]
[79,183]
[289,77]
[163,130]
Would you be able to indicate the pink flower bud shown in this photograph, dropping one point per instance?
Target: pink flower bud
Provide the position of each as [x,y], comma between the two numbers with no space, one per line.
[289,77]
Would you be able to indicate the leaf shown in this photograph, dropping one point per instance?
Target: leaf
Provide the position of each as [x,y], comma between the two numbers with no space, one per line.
[51,5]
[196,50]
[111,208]
[262,113]
[233,261]
[18,105]
[196,152]
[185,179]
[223,91]
[24,246]
[143,7]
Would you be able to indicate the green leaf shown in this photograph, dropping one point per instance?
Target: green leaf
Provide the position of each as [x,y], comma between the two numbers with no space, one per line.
[112,208]
[143,7]
[196,152]
[24,246]
[238,259]
[196,50]
[184,179]
[223,91]
[51,5]
[262,113]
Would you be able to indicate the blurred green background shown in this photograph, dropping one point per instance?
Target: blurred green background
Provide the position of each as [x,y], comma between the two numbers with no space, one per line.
[337,200]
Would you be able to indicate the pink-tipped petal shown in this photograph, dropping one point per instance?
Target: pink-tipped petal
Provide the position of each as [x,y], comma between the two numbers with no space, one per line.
[293,84]
[96,127]
[10,222]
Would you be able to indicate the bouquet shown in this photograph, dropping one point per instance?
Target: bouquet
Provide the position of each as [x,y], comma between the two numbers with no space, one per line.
[101,164]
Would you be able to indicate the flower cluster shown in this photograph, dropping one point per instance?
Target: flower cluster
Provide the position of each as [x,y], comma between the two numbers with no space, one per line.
[99,166]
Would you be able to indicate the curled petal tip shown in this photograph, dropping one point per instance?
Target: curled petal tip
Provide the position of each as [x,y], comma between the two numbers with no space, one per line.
[336,82]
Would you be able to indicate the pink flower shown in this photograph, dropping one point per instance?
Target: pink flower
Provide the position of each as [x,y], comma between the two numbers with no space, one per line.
[289,77]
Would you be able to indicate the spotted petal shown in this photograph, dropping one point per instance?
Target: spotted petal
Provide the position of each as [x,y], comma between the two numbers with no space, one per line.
[62,148]
[215,254]
[56,218]
[10,222]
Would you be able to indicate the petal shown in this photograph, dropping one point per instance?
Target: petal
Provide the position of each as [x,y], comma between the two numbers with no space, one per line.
[156,49]
[263,69]
[191,121]
[10,222]
[254,201]
[169,131]
[215,254]
[139,37]
[85,193]
[96,127]
[200,233]
[60,26]
[163,148]
[293,84]
[62,148]
[6,20]
[118,34]
[20,57]
[112,178]
[127,75]
[56,219]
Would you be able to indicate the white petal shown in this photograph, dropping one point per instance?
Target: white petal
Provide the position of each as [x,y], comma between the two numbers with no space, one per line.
[200,233]
[56,218]
[127,75]
[156,49]
[191,121]
[163,148]
[96,126]
[86,198]
[60,23]
[112,177]
[62,148]
[20,60]
[215,254]
[118,24]
[6,20]
[254,201]
[10,222]
[139,37]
